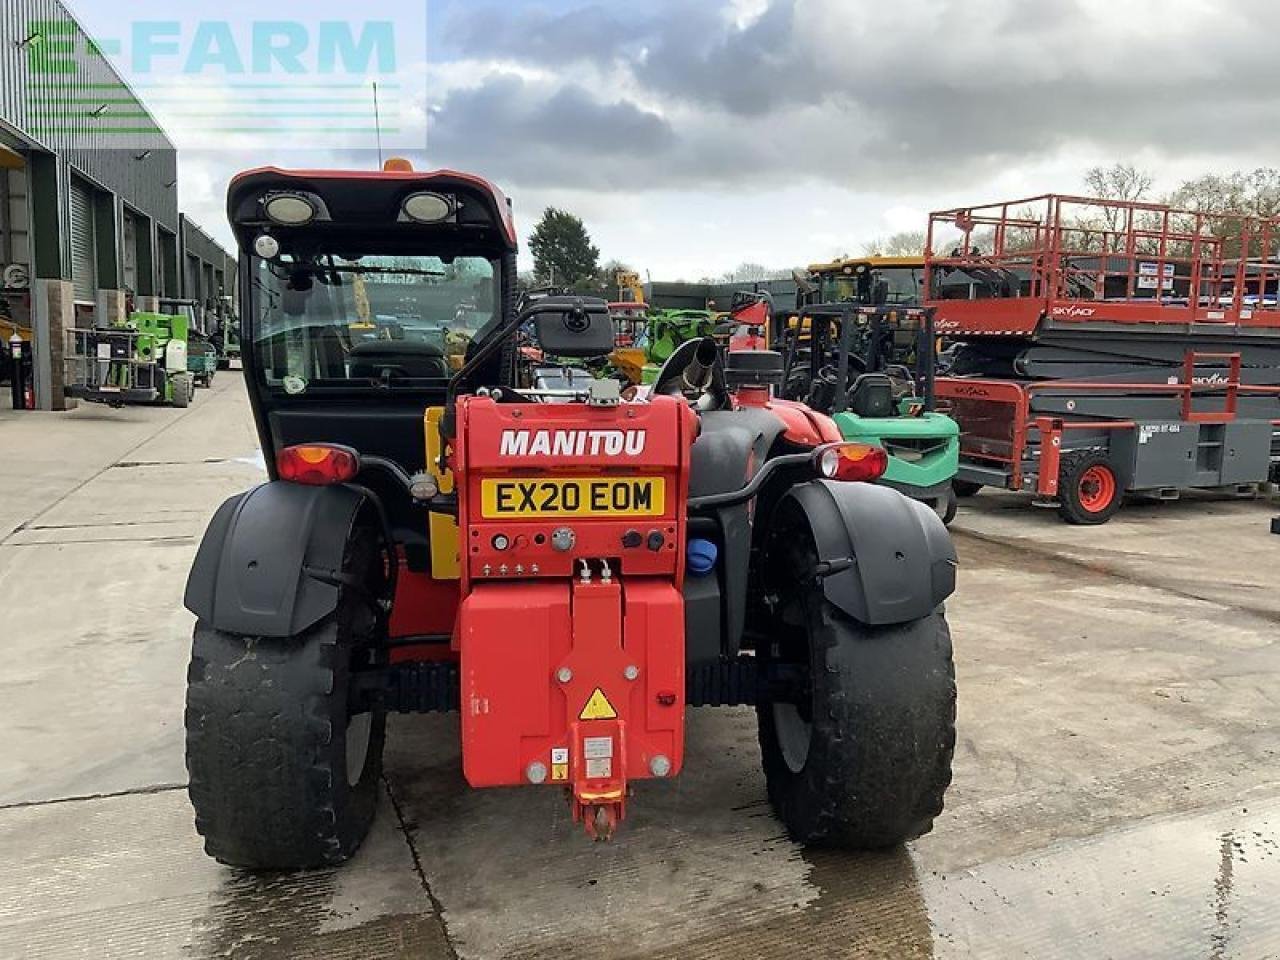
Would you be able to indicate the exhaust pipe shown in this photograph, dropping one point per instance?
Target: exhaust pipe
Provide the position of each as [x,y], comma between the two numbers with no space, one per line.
[697,375]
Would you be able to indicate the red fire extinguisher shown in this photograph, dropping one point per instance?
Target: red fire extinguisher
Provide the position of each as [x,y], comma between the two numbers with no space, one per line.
[21,381]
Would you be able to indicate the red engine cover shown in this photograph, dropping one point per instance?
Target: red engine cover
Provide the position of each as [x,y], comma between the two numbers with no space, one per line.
[516,638]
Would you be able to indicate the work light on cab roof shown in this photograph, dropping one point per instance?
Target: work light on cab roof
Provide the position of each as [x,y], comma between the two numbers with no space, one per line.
[289,209]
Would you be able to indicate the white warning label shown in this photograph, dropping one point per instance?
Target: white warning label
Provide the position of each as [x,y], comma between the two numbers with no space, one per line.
[599,768]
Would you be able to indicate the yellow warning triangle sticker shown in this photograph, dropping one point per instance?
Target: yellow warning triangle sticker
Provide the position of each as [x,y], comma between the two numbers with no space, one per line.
[598,708]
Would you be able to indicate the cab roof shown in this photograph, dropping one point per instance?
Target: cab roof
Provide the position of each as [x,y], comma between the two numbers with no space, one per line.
[874,263]
[372,198]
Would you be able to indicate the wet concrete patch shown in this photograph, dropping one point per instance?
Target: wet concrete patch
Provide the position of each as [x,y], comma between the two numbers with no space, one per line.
[1192,547]
[93,686]
[700,869]
[517,878]
[1199,886]
[126,877]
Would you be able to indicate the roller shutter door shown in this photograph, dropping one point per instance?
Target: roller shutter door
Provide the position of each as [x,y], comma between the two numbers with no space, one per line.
[192,291]
[130,251]
[84,254]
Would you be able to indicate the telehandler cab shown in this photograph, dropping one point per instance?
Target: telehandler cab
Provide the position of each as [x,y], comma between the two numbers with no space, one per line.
[568,569]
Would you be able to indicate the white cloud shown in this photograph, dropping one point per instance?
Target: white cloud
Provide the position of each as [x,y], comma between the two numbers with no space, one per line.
[695,136]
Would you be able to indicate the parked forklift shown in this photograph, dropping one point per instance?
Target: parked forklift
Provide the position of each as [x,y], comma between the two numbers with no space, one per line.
[1109,349]
[871,366]
[700,545]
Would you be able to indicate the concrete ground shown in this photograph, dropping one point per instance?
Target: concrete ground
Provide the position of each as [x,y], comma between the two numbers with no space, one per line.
[1116,792]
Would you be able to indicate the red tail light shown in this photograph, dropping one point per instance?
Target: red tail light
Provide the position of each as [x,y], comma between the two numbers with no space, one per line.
[317,464]
[851,461]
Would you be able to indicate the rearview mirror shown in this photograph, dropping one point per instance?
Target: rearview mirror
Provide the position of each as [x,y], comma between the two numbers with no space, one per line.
[574,327]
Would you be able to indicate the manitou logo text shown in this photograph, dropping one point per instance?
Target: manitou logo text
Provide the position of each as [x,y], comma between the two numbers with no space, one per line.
[1074,311]
[572,443]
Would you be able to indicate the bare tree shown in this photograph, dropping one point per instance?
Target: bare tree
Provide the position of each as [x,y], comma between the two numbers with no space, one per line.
[749,272]
[1120,181]
[1101,226]
[1229,198]
[904,243]
[1255,193]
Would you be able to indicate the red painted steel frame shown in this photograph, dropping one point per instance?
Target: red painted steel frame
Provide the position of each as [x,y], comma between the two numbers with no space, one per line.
[1017,397]
[1147,264]
[999,392]
[1051,430]
[1232,388]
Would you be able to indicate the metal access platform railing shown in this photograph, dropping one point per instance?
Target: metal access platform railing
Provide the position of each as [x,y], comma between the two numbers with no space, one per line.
[1006,441]
[1016,267]
[109,365]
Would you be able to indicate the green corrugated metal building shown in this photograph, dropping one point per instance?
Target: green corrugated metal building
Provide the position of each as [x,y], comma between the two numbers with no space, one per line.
[88,191]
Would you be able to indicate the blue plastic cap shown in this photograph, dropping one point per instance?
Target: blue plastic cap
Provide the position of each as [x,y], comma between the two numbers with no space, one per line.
[702,555]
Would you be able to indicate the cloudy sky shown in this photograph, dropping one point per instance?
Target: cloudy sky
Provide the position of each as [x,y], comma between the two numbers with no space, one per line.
[692,135]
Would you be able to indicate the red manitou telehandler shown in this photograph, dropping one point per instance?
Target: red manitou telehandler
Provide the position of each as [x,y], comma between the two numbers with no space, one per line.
[569,569]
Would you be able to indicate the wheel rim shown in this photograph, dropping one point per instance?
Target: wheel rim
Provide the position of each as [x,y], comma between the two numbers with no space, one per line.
[794,734]
[359,734]
[1097,488]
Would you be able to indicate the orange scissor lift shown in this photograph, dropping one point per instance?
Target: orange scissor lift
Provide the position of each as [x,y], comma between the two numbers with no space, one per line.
[1108,348]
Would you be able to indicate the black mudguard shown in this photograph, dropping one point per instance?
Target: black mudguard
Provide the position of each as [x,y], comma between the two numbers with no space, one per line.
[249,576]
[732,447]
[903,562]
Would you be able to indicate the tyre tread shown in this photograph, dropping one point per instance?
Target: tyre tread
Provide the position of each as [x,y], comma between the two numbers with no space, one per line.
[874,784]
[263,767]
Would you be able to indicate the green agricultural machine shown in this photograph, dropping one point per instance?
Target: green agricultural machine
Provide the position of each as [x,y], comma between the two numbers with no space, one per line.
[204,356]
[143,360]
[871,367]
[667,329]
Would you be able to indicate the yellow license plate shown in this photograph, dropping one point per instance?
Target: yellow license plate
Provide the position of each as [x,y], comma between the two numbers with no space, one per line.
[573,497]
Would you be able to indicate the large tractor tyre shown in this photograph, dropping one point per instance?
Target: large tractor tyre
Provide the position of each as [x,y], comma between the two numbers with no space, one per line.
[283,771]
[1088,491]
[860,756]
[182,388]
[965,488]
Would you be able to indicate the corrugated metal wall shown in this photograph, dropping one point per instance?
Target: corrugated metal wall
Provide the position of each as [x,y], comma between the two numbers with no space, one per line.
[204,255]
[15,223]
[669,295]
[84,247]
[54,111]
